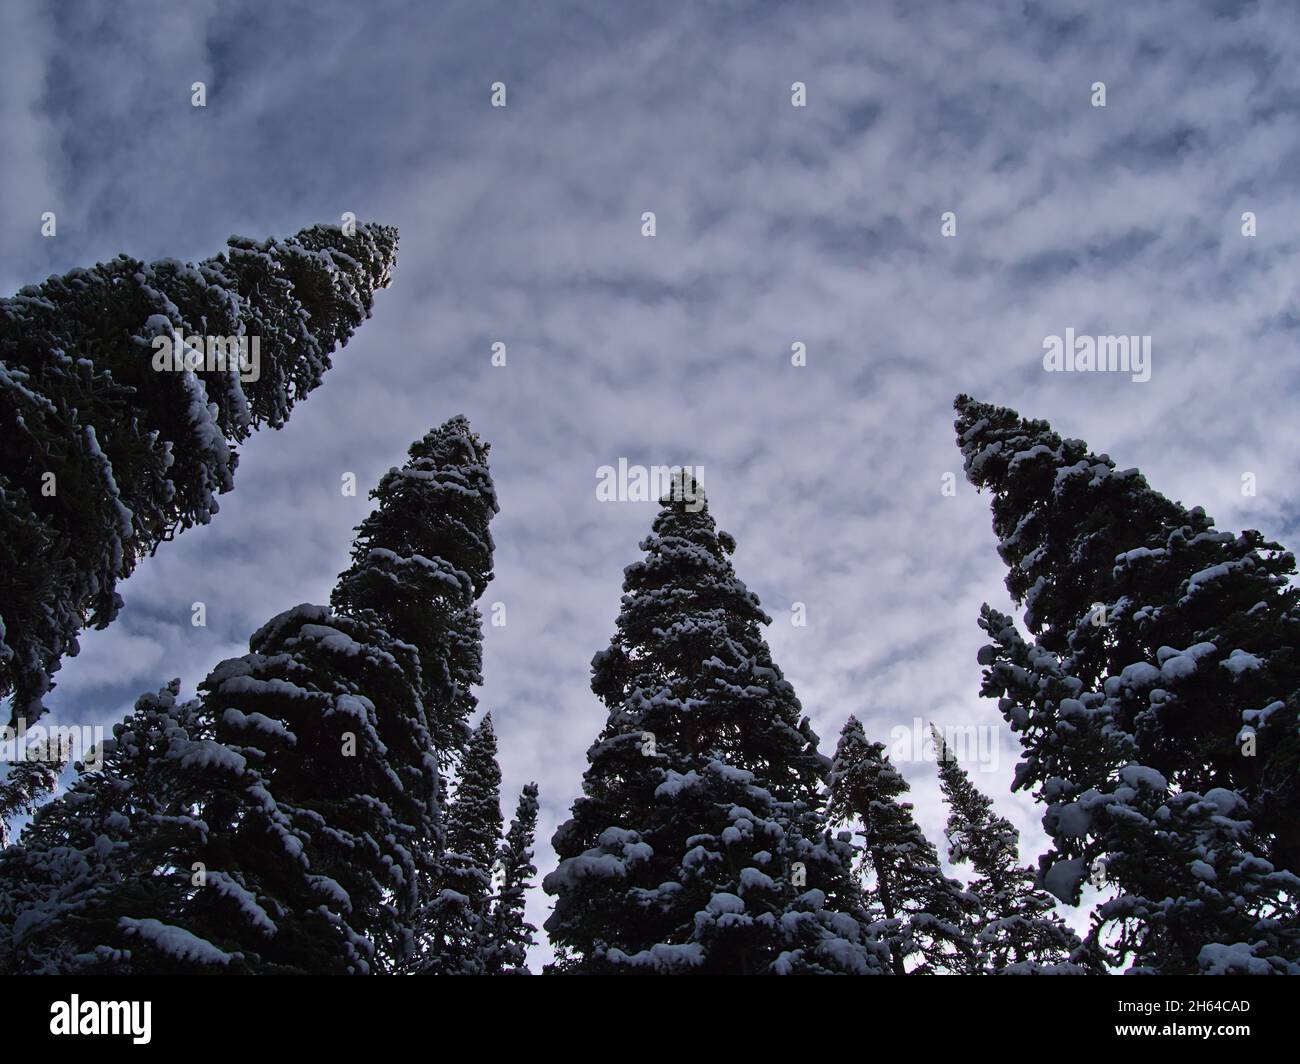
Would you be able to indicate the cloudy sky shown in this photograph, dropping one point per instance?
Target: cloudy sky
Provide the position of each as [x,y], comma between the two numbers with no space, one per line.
[775,225]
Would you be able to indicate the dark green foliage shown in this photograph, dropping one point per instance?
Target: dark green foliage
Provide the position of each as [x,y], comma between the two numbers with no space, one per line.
[923,915]
[698,844]
[458,914]
[1157,705]
[103,456]
[1018,929]
[287,819]
[510,935]
[422,559]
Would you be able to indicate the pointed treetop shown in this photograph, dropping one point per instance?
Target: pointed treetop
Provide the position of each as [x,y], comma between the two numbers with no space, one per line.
[474,816]
[926,910]
[1060,508]
[420,561]
[129,383]
[434,505]
[698,842]
[971,811]
[510,934]
[860,768]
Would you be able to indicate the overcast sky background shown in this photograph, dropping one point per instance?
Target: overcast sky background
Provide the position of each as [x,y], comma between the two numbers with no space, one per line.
[776,225]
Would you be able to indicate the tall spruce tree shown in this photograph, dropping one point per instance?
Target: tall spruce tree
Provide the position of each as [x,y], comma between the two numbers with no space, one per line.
[1019,931]
[924,916]
[510,935]
[287,819]
[1157,705]
[460,933]
[422,559]
[698,844]
[108,448]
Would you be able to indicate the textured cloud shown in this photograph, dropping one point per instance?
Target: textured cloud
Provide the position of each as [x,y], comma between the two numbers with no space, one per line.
[775,225]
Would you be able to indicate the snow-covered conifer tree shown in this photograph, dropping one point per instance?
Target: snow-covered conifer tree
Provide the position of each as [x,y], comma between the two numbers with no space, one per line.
[111,444]
[698,844]
[1019,931]
[1156,706]
[1113,575]
[420,562]
[282,822]
[459,932]
[287,819]
[510,935]
[924,916]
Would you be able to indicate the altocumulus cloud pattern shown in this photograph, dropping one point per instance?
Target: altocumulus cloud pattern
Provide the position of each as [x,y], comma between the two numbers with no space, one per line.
[365,597]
